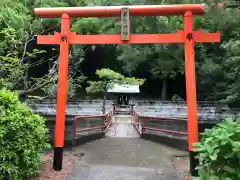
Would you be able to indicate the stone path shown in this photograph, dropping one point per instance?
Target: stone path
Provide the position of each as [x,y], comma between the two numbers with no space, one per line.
[103,172]
[122,127]
[117,158]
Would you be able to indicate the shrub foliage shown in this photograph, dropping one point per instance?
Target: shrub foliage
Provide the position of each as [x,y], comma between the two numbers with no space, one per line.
[219,152]
[23,136]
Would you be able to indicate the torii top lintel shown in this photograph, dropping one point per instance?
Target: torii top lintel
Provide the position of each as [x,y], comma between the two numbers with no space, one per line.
[111,11]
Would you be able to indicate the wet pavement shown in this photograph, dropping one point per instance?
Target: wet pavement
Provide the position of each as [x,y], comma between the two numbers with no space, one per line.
[104,172]
[120,158]
[122,127]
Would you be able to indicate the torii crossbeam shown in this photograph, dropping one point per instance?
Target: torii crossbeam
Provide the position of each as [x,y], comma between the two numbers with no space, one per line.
[178,37]
[188,37]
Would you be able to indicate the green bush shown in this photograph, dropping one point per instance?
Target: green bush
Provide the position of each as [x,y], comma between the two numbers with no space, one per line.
[23,136]
[219,152]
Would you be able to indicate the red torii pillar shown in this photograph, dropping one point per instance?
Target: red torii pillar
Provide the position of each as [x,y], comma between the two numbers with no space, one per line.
[188,37]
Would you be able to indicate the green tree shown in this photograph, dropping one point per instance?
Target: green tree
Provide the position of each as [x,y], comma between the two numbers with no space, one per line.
[107,78]
[219,152]
[218,63]
[215,63]
[165,61]
[23,137]
[18,31]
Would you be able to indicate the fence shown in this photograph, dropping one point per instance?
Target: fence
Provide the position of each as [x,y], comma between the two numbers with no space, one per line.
[206,110]
[91,125]
[68,132]
[165,126]
[75,108]
[79,127]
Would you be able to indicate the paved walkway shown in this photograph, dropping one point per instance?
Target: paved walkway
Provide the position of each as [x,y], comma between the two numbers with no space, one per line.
[120,158]
[122,127]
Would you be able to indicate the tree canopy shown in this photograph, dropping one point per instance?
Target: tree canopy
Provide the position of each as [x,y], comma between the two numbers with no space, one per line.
[107,78]
[30,67]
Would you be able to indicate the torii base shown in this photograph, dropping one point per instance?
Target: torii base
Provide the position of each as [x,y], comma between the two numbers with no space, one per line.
[57,158]
[194,162]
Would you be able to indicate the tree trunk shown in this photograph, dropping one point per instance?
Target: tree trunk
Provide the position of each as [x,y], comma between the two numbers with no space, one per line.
[25,80]
[164,90]
[104,103]
[25,92]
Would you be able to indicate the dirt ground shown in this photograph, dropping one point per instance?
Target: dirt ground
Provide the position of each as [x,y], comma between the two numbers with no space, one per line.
[182,165]
[47,173]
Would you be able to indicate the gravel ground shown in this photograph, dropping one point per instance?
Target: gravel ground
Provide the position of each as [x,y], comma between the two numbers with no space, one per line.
[70,159]
[181,164]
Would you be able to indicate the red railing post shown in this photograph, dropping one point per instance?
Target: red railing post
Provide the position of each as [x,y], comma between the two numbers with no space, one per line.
[142,127]
[106,119]
[136,122]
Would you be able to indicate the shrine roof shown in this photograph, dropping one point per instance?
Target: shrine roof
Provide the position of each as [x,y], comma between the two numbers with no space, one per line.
[123,88]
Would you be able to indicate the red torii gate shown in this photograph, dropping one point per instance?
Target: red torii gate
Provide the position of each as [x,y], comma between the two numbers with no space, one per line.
[188,37]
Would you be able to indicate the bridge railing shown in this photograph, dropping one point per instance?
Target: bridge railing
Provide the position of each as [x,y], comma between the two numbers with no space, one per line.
[168,126]
[137,122]
[154,124]
[172,126]
[90,125]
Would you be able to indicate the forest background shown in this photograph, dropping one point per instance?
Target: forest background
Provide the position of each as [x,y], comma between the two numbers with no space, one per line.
[32,68]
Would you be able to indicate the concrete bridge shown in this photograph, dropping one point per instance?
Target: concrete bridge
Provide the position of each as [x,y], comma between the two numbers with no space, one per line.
[125,146]
[121,154]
